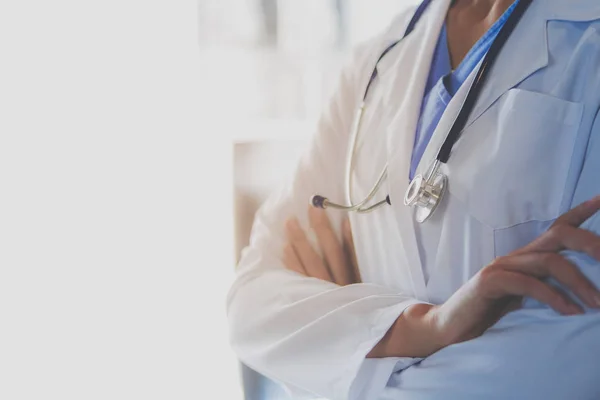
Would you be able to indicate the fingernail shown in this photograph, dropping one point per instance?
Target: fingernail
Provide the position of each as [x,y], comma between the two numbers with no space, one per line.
[317,214]
[575,309]
[591,298]
[296,225]
[321,214]
[592,203]
[292,224]
[596,298]
[593,199]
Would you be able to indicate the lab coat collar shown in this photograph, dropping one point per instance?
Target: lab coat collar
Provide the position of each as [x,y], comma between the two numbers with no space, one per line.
[437,11]
[529,40]
[526,50]
[524,53]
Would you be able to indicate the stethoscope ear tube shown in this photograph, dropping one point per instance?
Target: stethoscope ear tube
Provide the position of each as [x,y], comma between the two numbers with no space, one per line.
[361,207]
[321,202]
[479,81]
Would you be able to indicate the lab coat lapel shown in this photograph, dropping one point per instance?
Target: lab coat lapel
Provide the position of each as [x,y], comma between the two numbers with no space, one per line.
[402,100]
[443,128]
[525,52]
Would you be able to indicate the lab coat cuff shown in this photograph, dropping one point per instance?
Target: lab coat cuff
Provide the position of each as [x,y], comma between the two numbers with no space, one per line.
[372,378]
[374,373]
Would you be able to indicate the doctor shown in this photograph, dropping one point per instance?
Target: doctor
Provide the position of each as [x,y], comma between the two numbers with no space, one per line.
[495,103]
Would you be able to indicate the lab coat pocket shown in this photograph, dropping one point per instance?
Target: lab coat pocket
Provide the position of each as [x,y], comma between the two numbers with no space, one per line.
[513,162]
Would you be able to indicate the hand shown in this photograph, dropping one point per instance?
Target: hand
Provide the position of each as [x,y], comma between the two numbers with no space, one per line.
[338,264]
[499,287]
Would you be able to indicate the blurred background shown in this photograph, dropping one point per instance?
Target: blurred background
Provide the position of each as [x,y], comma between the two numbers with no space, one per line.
[272,64]
[138,137]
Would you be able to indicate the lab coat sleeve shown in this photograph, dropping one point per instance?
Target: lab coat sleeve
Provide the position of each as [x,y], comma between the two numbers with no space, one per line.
[310,334]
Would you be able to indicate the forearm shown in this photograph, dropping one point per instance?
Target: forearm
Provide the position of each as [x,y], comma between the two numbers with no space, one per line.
[412,335]
[309,322]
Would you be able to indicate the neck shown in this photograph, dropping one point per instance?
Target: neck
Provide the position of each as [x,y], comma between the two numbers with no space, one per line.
[479,11]
[480,3]
[467,21]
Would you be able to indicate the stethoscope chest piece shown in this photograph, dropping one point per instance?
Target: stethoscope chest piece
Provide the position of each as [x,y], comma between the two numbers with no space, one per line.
[425,192]
[425,195]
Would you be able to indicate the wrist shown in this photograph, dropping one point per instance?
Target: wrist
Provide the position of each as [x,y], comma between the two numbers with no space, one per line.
[429,337]
[413,334]
[438,339]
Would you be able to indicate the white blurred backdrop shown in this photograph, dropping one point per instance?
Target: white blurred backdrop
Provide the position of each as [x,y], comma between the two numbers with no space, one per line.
[118,121]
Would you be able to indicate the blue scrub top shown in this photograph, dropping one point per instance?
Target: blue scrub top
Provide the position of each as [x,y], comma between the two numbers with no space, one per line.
[443,83]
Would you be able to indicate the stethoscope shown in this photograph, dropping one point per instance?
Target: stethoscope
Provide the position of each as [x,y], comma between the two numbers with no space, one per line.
[425,192]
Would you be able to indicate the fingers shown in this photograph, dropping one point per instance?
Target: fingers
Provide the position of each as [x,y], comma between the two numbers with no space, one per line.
[565,237]
[312,263]
[579,214]
[576,239]
[545,265]
[509,283]
[339,264]
[332,250]
[350,250]
[291,260]
[559,235]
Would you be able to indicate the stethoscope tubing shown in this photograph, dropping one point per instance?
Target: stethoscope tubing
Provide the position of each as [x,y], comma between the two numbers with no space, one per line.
[444,153]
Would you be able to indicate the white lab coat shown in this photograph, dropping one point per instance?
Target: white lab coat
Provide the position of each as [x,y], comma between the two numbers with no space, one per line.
[514,169]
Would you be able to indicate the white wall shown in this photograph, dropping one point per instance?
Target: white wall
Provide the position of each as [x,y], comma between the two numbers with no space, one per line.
[370,17]
[116,200]
[112,273]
